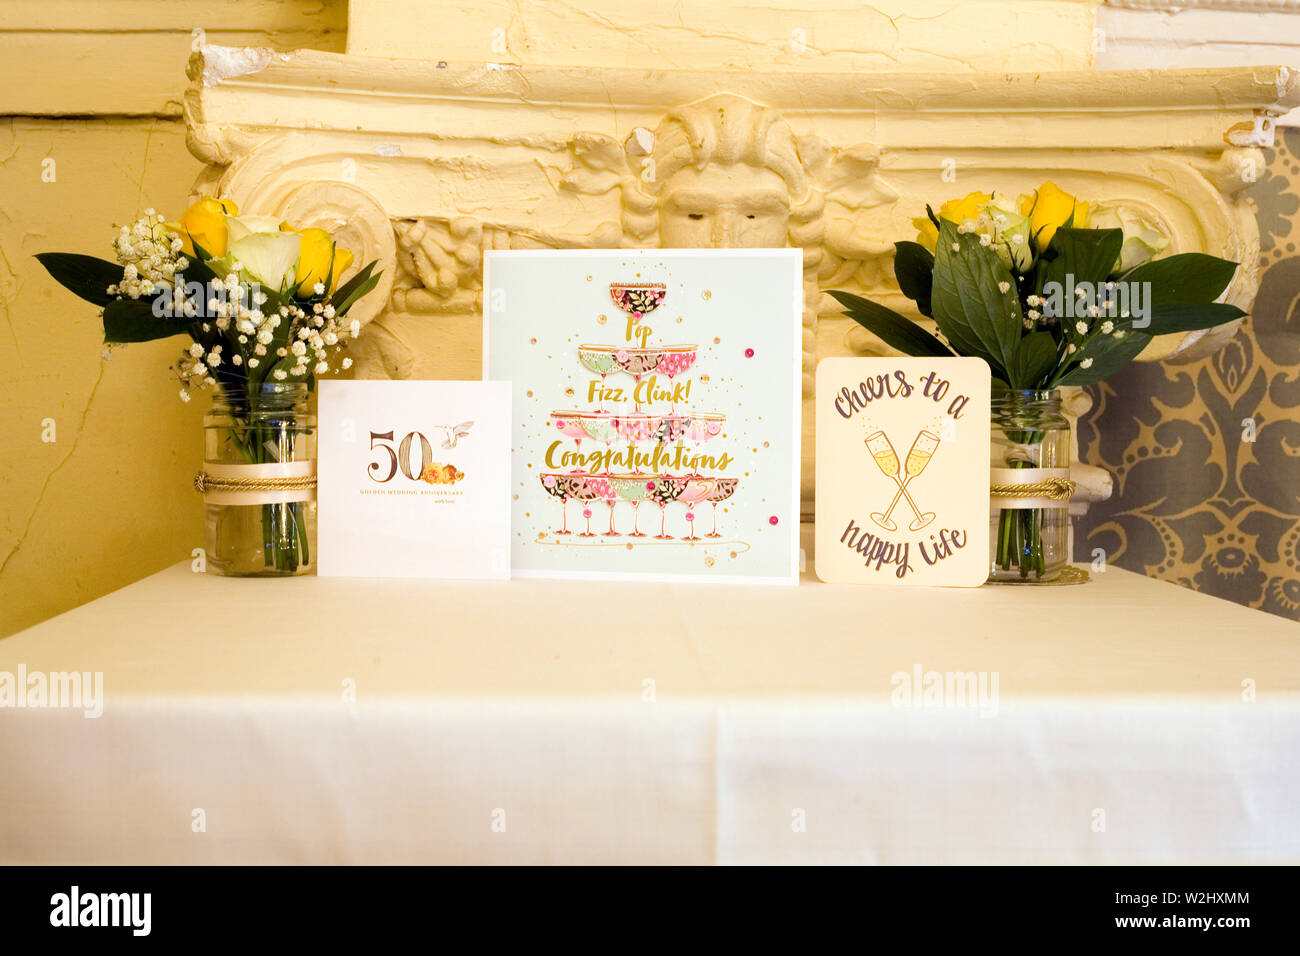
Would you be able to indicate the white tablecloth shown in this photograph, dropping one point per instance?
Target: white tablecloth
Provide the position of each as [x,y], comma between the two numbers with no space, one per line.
[613,723]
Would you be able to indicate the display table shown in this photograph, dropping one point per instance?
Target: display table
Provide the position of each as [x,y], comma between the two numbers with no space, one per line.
[570,722]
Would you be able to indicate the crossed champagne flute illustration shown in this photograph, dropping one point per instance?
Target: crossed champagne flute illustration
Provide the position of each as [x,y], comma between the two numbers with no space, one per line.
[882,451]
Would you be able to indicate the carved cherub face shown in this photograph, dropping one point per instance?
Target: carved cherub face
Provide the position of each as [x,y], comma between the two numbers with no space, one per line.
[724,207]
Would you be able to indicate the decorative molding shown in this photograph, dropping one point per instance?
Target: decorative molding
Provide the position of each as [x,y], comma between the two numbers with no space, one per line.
[127,57]
[430,163]
[1234,6]
[1181,33]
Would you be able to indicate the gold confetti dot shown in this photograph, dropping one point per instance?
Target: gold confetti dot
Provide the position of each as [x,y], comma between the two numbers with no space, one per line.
[709,561]
[706,295]
[529,393]
[629,545]
[767,444]
[532,341]
[601,319]
[569,392]
[733,554]
[717,340]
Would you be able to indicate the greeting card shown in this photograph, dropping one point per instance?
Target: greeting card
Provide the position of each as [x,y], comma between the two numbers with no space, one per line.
[903,471]
[656,410]
[414,479]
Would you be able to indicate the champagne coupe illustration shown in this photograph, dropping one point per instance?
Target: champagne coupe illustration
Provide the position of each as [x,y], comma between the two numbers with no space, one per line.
[599,426]
[636,489]
[702,426]
[610,495]
[598,359]
[676,360]
[637,298]
[567,424]
[882,450]
[662,491]
[636,362]
[723,488]
[588,488]
[558,486]
[697,489]
[638,427]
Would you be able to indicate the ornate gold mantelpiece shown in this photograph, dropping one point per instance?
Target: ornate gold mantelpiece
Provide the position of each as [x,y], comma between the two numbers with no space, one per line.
[424,164]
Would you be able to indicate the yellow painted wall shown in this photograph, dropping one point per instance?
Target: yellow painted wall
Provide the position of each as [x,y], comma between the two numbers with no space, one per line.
[91,135]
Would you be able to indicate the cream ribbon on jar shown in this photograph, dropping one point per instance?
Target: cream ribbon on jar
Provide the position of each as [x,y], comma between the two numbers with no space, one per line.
[273,483]
[1014,488]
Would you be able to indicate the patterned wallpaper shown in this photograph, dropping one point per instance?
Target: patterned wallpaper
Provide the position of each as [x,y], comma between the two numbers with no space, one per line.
[1206,455]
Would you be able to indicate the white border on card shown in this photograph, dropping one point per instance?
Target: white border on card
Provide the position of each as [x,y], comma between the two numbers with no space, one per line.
[795,258]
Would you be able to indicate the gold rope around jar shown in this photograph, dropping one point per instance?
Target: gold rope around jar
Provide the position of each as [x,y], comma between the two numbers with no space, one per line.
[203,483]
[1053,489]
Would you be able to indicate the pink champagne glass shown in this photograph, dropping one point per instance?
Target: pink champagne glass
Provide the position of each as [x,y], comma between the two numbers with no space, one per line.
[638,427]
[662,491]
[601,488]
[723,488]
[702,426]
[696,490]
[587,488]
[567,424]
[676,359]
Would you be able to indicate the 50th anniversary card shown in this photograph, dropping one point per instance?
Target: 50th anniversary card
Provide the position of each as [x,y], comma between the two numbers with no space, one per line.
[656,410]
[413,479]
[903,471]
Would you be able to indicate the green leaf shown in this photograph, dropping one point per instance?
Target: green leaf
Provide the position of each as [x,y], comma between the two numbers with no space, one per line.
[914,269]
[970,308]
[1108,355]
[1191,278]
[132,320]
[84,276]
[347,288]
[1035,360]
[894,330]
[198,271]
[354,294]
[1187,318]
[1088,255]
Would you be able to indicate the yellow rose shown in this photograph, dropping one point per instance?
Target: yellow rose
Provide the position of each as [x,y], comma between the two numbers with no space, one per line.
[927,234]
[205,223]
[318,247]
[1049,209]
[968,207]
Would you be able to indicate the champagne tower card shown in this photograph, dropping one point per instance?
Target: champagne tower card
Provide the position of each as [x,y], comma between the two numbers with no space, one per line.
[903,471]
[656,410]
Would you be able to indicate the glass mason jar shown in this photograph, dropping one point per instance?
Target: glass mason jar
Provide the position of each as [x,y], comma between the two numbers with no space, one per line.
[1029,521]
[258,481]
